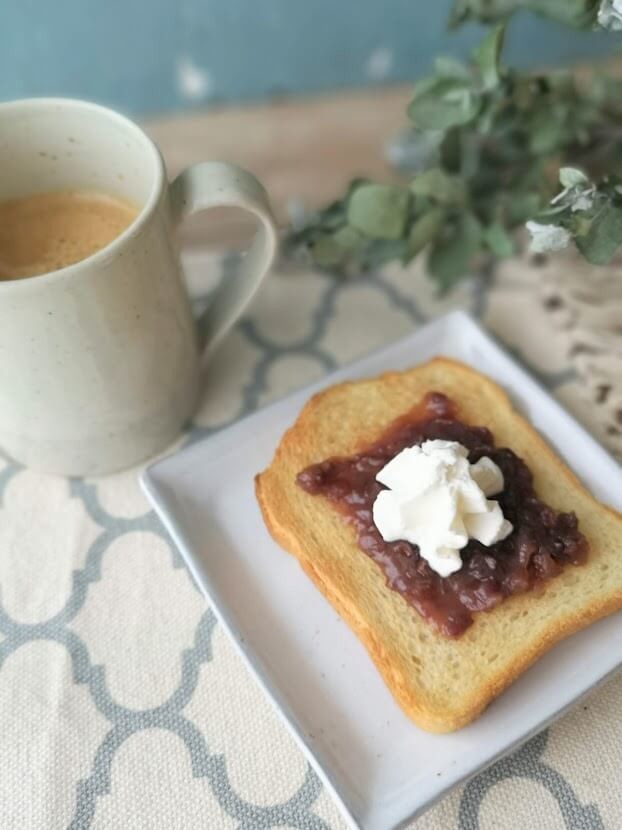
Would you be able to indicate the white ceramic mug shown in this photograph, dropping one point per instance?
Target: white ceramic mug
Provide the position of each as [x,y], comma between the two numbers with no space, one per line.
[100,361]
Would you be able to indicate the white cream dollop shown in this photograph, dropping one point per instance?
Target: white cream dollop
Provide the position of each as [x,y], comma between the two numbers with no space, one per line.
[437,500]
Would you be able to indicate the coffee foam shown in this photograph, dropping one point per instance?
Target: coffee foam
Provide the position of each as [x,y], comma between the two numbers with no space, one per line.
[47,231]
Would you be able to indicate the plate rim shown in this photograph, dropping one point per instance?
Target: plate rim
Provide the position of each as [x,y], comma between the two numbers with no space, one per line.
[154,488]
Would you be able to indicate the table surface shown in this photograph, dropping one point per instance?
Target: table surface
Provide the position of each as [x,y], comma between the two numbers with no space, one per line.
[122,703]
[303,150]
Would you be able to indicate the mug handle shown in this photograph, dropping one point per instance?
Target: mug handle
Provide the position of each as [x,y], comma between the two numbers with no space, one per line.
[219,184]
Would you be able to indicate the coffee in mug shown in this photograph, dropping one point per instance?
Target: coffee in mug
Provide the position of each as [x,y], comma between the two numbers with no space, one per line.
[43,232]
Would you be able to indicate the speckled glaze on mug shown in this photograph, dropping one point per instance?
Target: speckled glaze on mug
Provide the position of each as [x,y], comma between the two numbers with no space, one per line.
[100,361]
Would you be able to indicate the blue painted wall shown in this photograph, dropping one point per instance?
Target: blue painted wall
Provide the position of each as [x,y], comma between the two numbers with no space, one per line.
[157,55]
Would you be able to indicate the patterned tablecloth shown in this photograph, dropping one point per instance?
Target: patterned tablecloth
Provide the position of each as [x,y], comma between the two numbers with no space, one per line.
[122,703]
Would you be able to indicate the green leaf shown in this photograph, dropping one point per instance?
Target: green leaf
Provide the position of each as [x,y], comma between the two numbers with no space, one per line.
[333,249]
[347,238]
[547,130]
[552,215]
[579,14]
[379,210]
[423,231]
[447,67]
[440,103]
[499,242]
[451,148]
[439,186]
[325,251]
[452,253]
[580,225]
[486,11]
[332,216]
[571,177]
[522,206]
[459,14]
[377,252]
[603,237]
[487,56]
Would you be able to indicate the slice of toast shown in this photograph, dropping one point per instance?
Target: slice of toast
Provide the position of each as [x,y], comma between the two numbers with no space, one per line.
[441,683]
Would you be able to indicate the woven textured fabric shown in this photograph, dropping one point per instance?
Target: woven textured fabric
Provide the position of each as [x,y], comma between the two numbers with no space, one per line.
[122,703]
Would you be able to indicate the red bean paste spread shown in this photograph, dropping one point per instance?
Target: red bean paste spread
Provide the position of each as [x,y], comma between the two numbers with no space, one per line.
[542,543]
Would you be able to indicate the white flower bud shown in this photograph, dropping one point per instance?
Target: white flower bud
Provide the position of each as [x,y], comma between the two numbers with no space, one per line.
[610,15]
[578,193]
[546,238]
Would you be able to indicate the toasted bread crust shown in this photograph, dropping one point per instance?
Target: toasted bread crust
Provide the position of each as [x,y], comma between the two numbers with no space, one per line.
[441,684]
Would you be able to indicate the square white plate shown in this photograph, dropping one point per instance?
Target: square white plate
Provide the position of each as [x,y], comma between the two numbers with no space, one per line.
[381,768]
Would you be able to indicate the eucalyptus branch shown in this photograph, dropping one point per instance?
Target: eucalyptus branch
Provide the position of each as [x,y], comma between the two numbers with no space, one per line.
[584,212]
[488,141]
[579,14]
